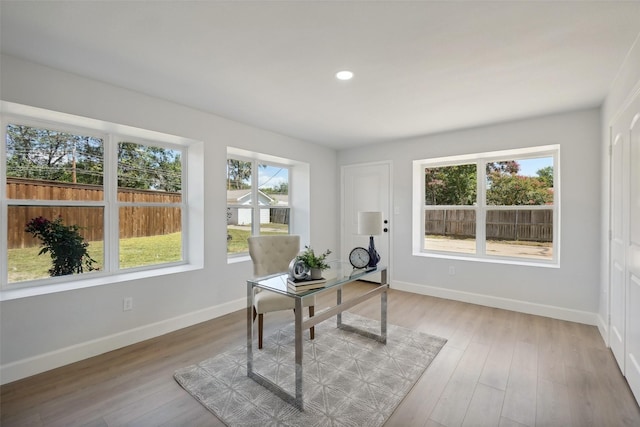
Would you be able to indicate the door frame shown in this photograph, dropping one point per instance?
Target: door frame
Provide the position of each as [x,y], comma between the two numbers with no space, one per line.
[343,249]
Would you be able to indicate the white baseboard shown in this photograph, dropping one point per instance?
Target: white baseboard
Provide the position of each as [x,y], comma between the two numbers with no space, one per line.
[34,365]
[603,327]
[498,302]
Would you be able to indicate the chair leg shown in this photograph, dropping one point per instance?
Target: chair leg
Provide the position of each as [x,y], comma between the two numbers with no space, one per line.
[260,324]
[312,330]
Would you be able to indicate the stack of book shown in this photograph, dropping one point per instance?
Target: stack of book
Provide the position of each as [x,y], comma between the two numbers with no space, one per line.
[305,285]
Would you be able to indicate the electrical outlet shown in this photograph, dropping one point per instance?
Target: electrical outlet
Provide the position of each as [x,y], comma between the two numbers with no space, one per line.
[127,304]
[452,270]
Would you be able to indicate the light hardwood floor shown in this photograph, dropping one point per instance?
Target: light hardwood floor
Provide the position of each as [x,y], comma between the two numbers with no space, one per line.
[499,368]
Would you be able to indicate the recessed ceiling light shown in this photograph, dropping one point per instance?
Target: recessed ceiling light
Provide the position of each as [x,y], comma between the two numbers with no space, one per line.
[344,75]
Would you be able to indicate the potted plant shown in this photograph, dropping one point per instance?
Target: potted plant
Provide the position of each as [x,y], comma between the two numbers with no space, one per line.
[315,263]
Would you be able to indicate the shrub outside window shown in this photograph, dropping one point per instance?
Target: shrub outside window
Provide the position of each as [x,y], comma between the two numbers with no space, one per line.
[500,205]
[56,182]
[257,202]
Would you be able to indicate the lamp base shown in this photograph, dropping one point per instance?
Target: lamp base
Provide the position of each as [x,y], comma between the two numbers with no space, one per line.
[374,256]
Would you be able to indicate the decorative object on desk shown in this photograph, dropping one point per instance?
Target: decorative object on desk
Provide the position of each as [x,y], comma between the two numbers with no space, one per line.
[316,263]
[305,284]
[335,393]
[359,257]
[370,223]
[298,270]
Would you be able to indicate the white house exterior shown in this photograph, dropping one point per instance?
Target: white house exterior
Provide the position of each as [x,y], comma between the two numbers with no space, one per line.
[241,198]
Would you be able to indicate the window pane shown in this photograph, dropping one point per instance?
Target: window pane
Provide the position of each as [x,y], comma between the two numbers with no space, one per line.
[150,235]
[44,164]
[451,185]
[23,261]
[151,171]
[520,182]
[274,183]
[238,229]
[274,221]
[238,182]
[450,230]
[520,233]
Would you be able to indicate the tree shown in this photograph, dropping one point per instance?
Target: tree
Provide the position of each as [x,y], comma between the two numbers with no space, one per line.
[238,174]
[456,185]
[451,185]
[506,188]
[512,189]
[282,188]
[48,154]
[61,156]
[546,175]
[149,167]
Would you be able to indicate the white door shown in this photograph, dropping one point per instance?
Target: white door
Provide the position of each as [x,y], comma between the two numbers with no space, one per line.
[617,267]
[366,188]
[632,362]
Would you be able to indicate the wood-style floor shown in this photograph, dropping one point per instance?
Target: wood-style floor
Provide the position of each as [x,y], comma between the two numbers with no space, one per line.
[499,368]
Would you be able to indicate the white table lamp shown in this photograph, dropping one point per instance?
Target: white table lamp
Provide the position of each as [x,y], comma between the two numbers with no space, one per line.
[370,223]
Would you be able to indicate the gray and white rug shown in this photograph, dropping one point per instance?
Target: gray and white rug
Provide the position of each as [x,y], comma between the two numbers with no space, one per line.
[348,380]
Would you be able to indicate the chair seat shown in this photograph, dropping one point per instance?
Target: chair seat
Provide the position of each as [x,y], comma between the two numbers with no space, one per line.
[266,301]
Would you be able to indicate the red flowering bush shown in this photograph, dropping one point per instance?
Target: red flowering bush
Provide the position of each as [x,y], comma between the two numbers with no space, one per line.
[64,243]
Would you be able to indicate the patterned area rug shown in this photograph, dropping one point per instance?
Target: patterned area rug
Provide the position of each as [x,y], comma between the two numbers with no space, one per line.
[348,380]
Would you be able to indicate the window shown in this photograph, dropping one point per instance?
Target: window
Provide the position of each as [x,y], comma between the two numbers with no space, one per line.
[115,198]
[257,201]
[150,204]
[501,206]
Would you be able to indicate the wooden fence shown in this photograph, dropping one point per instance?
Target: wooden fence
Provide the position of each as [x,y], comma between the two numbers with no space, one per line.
[279,215]
[134,221]
[525,225]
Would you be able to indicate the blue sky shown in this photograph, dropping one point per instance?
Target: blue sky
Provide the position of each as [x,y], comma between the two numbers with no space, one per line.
[271,176]
[529,167]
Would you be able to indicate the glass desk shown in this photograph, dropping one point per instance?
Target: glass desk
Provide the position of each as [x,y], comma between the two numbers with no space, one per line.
[343,274]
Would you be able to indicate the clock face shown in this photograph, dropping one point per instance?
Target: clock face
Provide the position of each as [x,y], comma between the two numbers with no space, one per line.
[359,257]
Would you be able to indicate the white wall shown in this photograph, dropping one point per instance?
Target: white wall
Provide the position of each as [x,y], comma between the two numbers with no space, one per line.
[41,332]
[569,292]
[627,83]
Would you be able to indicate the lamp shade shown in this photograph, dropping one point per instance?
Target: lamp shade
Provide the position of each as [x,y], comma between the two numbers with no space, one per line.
[370,223]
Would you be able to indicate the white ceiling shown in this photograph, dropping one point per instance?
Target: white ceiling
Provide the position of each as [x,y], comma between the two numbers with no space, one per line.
[420,67]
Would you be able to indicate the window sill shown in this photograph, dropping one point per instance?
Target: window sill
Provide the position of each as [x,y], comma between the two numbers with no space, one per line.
[520,262]
[31,291]
[238,259]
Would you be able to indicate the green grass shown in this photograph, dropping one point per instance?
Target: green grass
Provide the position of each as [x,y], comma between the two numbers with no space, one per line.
[239,235]
[26,264]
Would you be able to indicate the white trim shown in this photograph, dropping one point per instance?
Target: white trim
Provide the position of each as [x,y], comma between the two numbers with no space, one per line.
[111,133]
[33,365]
[480,206]
[61,284]
[603,328]
[554,312]
[390,210]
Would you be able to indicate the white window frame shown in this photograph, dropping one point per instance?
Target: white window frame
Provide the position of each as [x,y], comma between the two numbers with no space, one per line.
[112,195]
[111,134]
[257,159]
[481,208]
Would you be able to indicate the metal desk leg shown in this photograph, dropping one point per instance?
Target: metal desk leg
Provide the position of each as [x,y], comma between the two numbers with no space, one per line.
[249,329]
[298,342]
[383,307]
[338,302]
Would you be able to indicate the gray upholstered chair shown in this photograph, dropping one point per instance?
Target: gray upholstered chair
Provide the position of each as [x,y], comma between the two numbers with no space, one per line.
[270,255]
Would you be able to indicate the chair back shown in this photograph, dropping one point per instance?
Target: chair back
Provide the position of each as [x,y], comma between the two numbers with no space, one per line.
[272,254]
